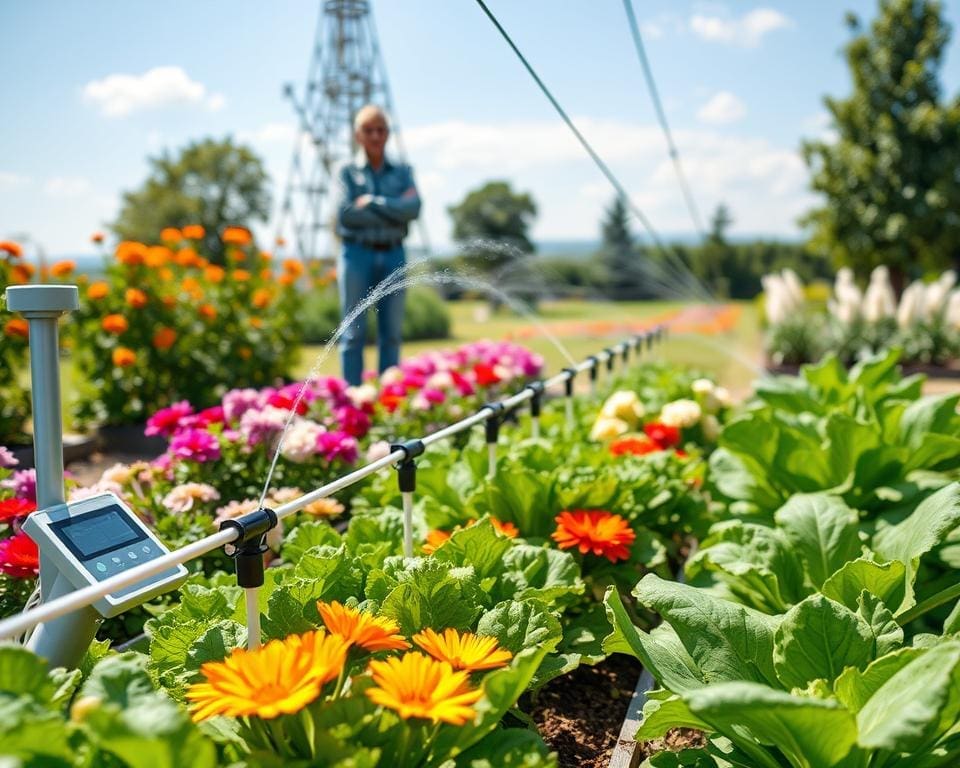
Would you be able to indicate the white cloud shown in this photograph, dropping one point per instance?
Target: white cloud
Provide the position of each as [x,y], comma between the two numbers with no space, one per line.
[270,133]
[722,108]
[8,179]
[119,95]
[67,186]
[747,31]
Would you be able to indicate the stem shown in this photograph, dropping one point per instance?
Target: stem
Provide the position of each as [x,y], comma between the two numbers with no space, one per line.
[934,601]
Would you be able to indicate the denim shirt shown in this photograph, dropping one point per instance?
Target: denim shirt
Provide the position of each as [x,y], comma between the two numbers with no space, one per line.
[385,218]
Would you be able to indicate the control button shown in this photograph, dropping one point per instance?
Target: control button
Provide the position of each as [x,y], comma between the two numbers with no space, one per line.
[132,555]
[115,559]
[145,549]
[101,567]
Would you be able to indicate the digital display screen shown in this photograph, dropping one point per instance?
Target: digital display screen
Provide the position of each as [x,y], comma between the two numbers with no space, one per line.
[94,534]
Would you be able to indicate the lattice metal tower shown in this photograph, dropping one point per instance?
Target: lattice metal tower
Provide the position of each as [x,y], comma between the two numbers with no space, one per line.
[346,71]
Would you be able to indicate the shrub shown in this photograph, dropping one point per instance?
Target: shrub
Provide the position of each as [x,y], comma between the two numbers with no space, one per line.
[14,400]
[425,316]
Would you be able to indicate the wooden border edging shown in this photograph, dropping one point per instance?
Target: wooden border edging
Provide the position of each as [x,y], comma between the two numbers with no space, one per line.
[625,754]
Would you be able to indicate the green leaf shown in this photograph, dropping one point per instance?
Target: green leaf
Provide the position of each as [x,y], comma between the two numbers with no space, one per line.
[822,530]
[507,748]
[216,644]
[519,625]
[727,641]
[308,534]
[885,580]
[121,679]
[917,704]
[478,546]
[432,594]
[888,635]
[23,672]
[810,732]
[928,526]
[662,715]
[541,572]
[523,497]
[34,734]
[818,638]
[665,656]
[854,687]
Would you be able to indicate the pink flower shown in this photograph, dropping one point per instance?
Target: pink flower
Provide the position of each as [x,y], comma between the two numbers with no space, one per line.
[203,419]
[434,396]
[166,421]
[19,556]
[7,459]
[352,420]
[182,497]
[237,402]
[262,425]
[195,445]
[23,484]
[337,445]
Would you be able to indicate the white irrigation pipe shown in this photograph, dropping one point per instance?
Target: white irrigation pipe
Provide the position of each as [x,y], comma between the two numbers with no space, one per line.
[17,625]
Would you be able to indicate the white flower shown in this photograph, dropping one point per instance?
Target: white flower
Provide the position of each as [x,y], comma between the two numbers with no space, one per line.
[300,444]
[393,375]
[280,496]
[440,380]
[377,450]
[702,387]
[911,304]
[935,294]
[362,395]
[846,307]
[722,396]
[623,405]
[680,413]
[101,486]
[608,428]
[879,301]
[182,497]
[710,427]
[952,313]
[782,296]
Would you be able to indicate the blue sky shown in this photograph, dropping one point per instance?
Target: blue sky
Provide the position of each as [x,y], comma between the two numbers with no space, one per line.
[742,83]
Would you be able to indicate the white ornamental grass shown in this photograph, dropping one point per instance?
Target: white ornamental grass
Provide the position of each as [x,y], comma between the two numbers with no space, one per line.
[847,297]
[879,302]
[911,304]
[935,295]
[952,313]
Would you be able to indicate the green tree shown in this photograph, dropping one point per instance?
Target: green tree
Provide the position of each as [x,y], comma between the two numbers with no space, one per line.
[619,255]
[209,182]
[890,176]
[492,225]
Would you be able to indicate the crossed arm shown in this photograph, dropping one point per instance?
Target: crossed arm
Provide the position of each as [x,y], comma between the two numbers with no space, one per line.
[373,210]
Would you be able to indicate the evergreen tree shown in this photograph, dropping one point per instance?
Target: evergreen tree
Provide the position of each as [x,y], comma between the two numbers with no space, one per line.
[890,176]
[619,255]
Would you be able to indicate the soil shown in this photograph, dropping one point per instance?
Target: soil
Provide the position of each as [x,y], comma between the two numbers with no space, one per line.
[675,740]
[580,714]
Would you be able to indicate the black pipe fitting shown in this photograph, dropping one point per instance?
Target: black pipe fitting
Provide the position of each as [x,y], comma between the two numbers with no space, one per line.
[536,402]
[568,384]
[251,544]
[625,353]
[649,336]
[492,424]
[407,466]
[638,342]
[610,357]
[411,449]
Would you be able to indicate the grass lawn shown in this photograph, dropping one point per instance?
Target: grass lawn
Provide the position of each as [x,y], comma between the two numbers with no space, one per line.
[732,357]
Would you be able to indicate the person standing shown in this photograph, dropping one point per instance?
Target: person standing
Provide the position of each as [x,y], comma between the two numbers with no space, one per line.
[377,199]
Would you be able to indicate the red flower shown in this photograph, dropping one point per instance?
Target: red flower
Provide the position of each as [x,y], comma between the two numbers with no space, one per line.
[663,435]
[485,374]
[285,401]
[12,509]
[602,533]
[19,556]
[635,446]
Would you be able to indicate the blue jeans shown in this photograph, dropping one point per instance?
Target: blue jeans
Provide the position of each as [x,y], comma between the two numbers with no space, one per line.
[360,270]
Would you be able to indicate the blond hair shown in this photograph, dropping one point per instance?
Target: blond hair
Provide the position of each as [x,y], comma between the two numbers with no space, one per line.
[366,113]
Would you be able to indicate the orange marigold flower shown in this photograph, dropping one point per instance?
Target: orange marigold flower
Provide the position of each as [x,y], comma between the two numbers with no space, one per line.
[434,540]
[135,298]
[633,445]
[214,274]
[280,242]
[171,235]
[597,531]
[256,322]
[463,651]
[12,248]
[166,274]
[190,284]
[372,633]
[131,253]
[266,274]
[169,301]
[193,232]
[266,255]
[97,237]
[245,352]
[236,255]
[157,256]
[237,236]
[279,678]
[507,529]
[98,290]
[21,273]
[16,327]
[208,311]
[293,267]
[63,268]
[114,324]
[164,338]
[286,279]
[325,507]
[186,257]
[123,357]
[261,298]
[414,685]
[241,275]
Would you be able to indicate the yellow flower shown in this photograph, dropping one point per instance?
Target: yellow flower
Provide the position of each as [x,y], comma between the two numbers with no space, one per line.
[463,651]
[415,685]
[372,633]
[607,428]
[282,677]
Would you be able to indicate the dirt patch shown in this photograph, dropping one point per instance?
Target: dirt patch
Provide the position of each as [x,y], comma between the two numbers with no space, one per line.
[580,714]
[675,740]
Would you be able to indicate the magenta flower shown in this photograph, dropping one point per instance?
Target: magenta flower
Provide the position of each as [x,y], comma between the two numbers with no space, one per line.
[237,402]
[23,484]
[261,425]
[195,445]
[166,421]
[352,420]
[337,445]
[7,459]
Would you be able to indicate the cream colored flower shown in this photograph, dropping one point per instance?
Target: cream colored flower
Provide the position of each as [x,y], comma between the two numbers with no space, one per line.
[680,413]
[377,450]
[607,428]
[325,507]
[118,473]
[710,427]
[702,387]
[623,405]
[362,395]
[182,497]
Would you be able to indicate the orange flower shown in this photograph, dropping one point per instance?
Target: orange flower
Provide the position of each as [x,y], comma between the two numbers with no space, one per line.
[97,237]
[597,531]
[166,274]
[434,540]
[372,633]
[131,253]
[190,284]
[135,298]
[237,236]
[169,301]
[193,232]
[17,327]
[241,275]
[280,242]
[266,274]
[414,685]
[164,338]
[633,445]
[21,273]
[12,248]
[236,255]
[157,256]
[286,279]
[171,235]
[507,529]
[266,255]
[186,257]
[123,357]
[114,324]
[98,290]
[207,311]
[63,268]
[256,322]
[261,298]
[245,352]
[293,267]
[214,274]
[463,651]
